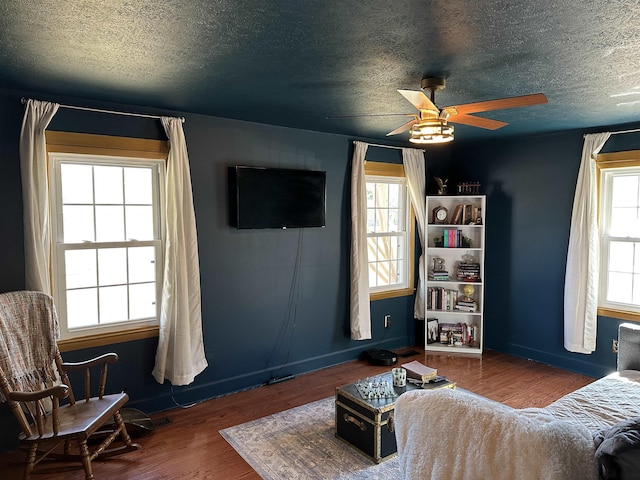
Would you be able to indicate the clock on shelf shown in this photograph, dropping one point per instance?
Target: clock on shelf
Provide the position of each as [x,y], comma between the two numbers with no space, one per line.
[440,214]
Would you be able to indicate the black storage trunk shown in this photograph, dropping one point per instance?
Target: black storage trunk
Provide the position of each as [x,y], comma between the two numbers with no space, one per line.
[368,424]
[367,427]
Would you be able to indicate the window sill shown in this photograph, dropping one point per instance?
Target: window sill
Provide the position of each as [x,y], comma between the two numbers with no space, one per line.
[404,292]
[102,339]
[620,314]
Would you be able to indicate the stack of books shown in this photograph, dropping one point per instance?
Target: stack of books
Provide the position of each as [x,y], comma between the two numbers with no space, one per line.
[466,305]
[459,334]
[420,372]
[468,272]
[438,275]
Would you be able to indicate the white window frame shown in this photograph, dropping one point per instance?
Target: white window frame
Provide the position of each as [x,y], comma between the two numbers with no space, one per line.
[608,166]
[394,173]
[56,159]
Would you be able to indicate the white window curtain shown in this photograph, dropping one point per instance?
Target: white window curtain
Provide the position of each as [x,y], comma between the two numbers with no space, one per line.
[180,354]
[35,194]
[582,271]
[415,171]
[360,303]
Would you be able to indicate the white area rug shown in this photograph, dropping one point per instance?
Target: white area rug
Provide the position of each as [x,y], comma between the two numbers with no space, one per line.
[300,444]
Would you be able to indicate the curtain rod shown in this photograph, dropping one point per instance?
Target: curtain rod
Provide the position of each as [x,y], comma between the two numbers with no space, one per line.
[388,146]
[99,110]
[633,130]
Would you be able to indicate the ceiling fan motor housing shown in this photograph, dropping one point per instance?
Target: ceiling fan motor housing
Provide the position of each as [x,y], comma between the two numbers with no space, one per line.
[433,84]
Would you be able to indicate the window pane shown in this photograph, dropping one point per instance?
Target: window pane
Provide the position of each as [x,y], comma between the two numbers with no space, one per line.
[142,264]
[108,184]
[386,230]
[371,196]
[77,224]
[382,195]
[80,268]
[636,289]
[82,308]
[624,191]
[113,304]
[620,287]
[371,220]
[112,267]
[138,186]
[621,257]
[394,195]
[143,301]
[372,275]
[394,223]
[139,223]
[624,222]
[385,251]
[385,273]
[372,248]
[382,220]
[109,224]
[77,183]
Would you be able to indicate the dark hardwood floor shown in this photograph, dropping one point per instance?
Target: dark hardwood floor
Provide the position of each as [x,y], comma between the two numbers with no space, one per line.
[190,447]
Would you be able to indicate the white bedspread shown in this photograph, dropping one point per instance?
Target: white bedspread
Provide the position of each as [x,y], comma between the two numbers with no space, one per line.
[603,403]
[448,434]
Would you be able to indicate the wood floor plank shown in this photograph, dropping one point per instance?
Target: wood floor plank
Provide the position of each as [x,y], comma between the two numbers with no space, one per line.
[191,447]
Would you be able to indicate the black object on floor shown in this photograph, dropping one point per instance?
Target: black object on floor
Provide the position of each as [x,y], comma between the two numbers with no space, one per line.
[379,357]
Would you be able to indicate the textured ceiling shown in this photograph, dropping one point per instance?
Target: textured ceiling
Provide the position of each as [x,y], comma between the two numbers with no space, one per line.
[296,62]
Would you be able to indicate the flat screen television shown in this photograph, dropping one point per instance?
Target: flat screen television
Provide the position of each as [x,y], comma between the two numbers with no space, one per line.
[262,197]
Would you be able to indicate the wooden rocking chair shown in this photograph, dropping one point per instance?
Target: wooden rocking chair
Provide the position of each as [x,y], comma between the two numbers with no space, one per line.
[35,384]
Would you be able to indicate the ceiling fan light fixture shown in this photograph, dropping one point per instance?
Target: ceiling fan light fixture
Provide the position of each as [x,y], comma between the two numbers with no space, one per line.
[431,131]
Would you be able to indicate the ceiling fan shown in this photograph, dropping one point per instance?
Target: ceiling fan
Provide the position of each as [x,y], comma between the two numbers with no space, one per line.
[431,125]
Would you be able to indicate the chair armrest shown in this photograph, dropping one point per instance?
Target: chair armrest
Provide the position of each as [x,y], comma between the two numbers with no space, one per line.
[59,391]
[102,360]
[628,346]
[109,358]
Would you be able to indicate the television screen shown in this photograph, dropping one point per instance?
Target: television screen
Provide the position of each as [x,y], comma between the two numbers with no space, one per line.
[276,197]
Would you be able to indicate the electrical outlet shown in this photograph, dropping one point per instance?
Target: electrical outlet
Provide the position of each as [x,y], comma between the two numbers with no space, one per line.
[387,321]
[614,346]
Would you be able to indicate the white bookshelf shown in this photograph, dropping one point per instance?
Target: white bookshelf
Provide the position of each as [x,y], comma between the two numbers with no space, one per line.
[466,241]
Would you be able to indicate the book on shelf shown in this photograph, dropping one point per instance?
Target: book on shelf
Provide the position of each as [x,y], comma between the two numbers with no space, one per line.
[468,272]
[466,306]
[454,238]
[471,215]
[439,275]
[419,371]
[457,215]
[440,298]
[459,334]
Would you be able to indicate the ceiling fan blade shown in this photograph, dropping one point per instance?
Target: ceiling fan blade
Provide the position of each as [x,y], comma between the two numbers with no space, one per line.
[405,127]
[373,115]
[511,102]
[481,122]
[418,99]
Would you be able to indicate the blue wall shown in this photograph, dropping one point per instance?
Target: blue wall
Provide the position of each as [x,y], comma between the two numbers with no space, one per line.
[530,185]
[246,275]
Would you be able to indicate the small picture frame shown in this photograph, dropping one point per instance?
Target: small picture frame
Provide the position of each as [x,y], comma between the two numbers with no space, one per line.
[432,330]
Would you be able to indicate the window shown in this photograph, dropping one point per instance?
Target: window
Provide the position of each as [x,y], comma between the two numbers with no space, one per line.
[390,231]
[619,225]
[107,242]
